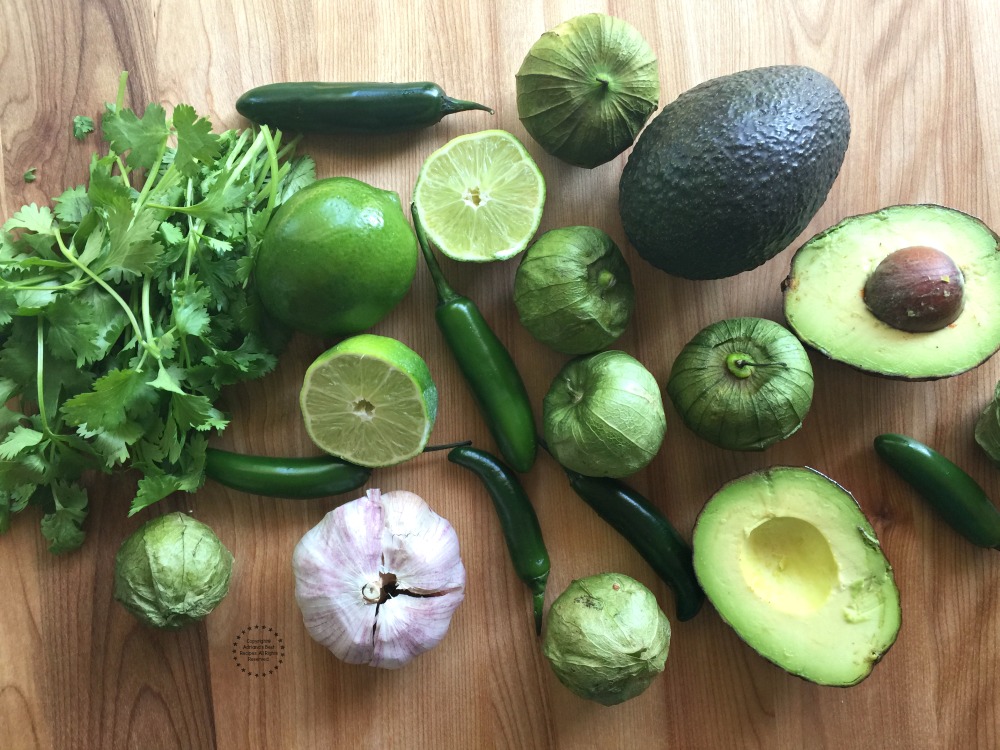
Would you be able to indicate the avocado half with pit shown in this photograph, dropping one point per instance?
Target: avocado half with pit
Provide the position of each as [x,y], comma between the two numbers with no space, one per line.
[788,559]
[909,291]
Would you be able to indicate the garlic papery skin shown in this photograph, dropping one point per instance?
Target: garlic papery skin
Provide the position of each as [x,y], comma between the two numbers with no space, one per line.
[379,578]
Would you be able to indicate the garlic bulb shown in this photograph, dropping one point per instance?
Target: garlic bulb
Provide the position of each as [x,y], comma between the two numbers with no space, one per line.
[379,578]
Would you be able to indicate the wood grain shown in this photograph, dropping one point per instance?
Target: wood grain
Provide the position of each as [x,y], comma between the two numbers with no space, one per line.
[922,80]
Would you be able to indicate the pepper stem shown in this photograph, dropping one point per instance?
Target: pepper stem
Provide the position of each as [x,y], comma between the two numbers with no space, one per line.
[449,106]
[446,446]
[444,291]
[538,599]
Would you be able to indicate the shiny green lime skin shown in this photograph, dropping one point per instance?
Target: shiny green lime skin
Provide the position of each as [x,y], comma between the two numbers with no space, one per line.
[336,258]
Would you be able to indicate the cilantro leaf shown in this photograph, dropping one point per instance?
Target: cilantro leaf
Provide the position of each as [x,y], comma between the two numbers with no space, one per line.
[18,440]
[31,174]
[133,247]
[63,530]
[142,139]
[116,399]
[82,127]
[72,206]
[130,305]
[105,189]
[195,412]
[187,476]
[63,526]
[195,140]
[190,307]
[32,218]
[301,173]
[72,332]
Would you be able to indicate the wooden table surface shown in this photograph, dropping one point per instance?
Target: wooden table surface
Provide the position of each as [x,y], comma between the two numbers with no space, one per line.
[922,78]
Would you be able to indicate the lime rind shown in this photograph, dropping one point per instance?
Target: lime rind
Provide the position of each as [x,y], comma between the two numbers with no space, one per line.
[480,197]
[372,409]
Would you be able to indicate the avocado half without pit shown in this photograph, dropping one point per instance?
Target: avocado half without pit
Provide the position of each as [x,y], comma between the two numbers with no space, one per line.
[790,562]
[910,291]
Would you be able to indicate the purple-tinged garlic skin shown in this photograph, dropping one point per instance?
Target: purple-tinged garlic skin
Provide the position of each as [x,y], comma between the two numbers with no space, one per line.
[379,578]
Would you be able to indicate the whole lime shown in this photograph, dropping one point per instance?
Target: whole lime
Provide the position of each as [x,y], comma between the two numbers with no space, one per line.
[336,258]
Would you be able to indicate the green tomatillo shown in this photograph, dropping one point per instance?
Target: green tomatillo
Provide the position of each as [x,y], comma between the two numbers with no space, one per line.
[987,430]
[586,88]
[573,290]
[603,415]
[172,571]
[742,383]
[607,639]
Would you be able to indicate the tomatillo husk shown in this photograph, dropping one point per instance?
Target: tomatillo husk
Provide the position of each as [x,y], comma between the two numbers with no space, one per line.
[742,383]
[603,415]
[586,88]
[573,290]
[987,429]
[607,638]
[172,571]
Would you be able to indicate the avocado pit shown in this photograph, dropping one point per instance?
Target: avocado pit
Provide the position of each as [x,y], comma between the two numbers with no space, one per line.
[917,289]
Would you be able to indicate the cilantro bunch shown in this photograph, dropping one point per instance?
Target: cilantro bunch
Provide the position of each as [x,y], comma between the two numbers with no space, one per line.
[128,305]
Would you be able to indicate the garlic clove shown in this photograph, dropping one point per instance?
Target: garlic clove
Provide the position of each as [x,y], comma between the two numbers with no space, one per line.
[420,547]
[333,563]
[409,625]
[379,578]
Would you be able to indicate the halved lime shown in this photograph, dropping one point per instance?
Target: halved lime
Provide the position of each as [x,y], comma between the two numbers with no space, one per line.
[480,196]
[369,400]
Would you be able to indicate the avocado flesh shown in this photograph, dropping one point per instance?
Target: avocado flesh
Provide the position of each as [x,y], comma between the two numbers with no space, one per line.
[824,293]
[788,559]
[732,171]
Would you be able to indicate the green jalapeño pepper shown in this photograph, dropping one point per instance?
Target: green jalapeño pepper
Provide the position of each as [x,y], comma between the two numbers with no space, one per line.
[487,366]
[648,531]
[517,520]
[318,107]
[298,478]
[956,496]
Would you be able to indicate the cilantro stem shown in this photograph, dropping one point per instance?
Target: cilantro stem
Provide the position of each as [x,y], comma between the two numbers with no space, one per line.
[248,158]
[40,283]
[288,147]
[237,148]
[147,186]
[120,99]
[147,318]
[40,379]
[71,257]
[272,152]
[193,230]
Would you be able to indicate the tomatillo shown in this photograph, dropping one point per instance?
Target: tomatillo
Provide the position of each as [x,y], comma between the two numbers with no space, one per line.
[573,290]
[742,383]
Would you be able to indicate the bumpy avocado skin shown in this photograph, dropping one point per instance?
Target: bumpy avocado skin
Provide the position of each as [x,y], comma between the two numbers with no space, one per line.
[729,173]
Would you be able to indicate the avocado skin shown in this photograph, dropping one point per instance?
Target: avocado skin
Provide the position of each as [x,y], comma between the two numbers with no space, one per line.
[730,172]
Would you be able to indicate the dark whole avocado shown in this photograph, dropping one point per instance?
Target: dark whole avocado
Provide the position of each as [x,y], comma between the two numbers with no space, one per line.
[730,172]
